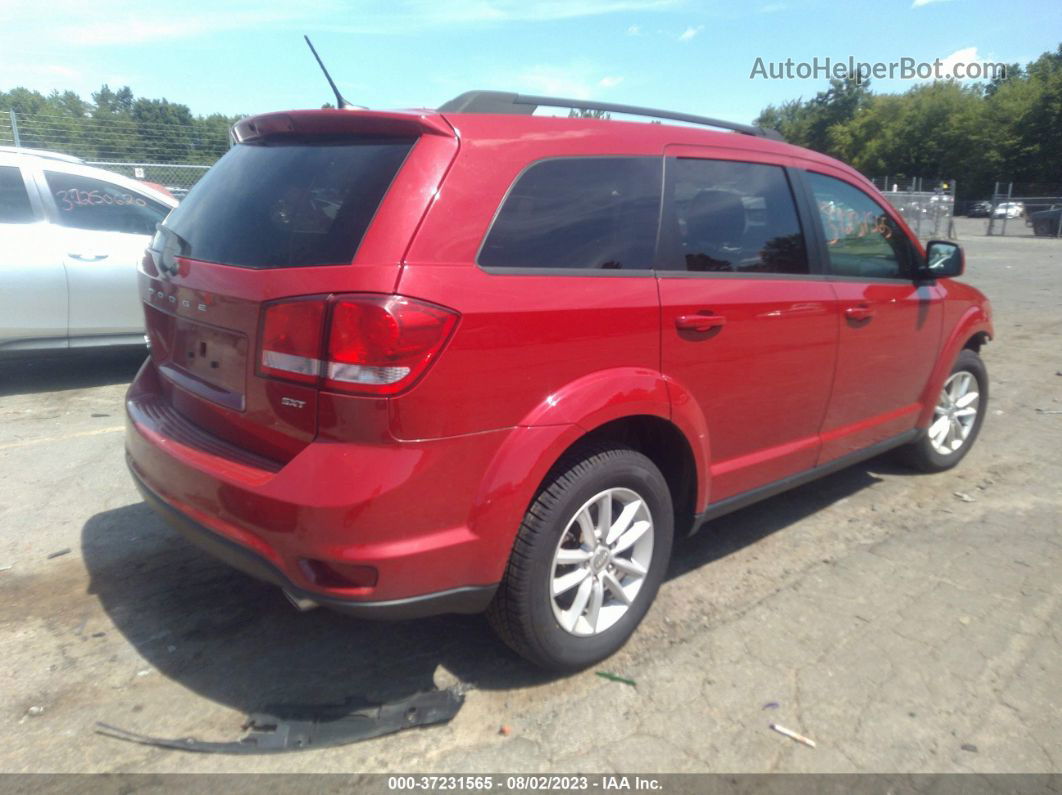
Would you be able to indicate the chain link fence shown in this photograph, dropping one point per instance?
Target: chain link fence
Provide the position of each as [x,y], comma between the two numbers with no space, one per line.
[173,155]
[928,206]
[1025,210]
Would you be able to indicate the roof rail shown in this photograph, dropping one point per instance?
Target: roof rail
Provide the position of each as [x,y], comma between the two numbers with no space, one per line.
[22,150]
[524,104]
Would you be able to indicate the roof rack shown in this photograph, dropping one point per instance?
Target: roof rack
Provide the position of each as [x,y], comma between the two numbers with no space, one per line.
[524,104]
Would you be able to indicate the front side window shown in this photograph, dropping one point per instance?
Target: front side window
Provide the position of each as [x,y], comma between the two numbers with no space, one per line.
[861,238]
[732,217]
[586,212]
[15,205]
[87,203]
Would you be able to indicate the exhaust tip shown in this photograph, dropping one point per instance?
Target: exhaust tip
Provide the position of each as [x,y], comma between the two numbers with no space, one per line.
[302,604]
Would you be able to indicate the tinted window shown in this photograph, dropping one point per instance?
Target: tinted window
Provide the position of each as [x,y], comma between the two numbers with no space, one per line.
[86,203]
[861,238]
[732,217]
[277,205]
[578,213]
[14,201]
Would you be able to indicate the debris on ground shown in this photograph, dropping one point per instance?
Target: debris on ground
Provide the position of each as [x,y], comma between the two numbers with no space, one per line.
[445,679]
[616,678]
[1049,411]
[770,705]
[969,747]
[505,731]
[792,735]
[294,727]
[962,495]
[8,567]
[35,711]
[59,553]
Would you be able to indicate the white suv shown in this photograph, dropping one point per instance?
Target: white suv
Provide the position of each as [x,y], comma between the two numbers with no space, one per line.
[71,237]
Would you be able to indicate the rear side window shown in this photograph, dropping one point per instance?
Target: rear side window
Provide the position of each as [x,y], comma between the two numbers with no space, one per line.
[861,238]
[285,204]
[732,217]
[87,203]
[14,201]
[595,212]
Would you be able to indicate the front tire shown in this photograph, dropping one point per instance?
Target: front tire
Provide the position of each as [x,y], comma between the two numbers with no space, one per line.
[957,418]
[588,559]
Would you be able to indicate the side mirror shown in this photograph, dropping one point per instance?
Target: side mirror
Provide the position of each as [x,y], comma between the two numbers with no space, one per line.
[943,260]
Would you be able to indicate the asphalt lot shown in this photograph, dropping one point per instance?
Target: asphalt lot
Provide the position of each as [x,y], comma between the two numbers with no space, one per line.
[903,627]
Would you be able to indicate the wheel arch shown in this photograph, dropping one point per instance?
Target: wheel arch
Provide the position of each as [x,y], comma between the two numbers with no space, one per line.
[971,332]
[632,407]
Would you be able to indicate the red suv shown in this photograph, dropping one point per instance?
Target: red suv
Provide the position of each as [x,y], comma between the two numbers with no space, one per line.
[406,363]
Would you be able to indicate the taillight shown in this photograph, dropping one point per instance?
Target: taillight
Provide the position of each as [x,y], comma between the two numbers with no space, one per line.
[382,344]
[376,344]
[291,340]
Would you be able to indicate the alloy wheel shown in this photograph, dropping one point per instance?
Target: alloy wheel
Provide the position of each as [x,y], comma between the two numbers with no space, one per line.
[601,561]
[955,414]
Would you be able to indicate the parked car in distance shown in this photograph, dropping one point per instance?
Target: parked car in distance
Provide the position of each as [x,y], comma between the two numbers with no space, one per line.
[1008,210]
[71,238]
[399,370]
[981,209]
[1047,222]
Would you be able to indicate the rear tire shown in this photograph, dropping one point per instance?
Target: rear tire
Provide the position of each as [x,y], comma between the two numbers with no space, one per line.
[953,429]
[572,593]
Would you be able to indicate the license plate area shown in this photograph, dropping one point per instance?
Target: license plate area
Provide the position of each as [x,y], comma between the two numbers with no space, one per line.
[209,362]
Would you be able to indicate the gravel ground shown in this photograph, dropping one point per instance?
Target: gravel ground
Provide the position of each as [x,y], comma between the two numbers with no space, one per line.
[902,626]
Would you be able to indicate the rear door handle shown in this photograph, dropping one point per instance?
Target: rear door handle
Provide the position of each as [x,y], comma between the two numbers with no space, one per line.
[87,257]
[861,312]
[699,322]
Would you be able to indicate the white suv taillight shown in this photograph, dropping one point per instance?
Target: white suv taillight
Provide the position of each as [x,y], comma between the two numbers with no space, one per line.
[366,344]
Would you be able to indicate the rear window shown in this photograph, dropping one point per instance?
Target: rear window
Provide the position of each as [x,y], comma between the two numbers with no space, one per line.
[596,212]
[285,204]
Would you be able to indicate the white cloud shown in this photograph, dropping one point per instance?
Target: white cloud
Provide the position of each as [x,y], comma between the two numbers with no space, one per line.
[920,3]
[772,8]
[118,22]
[163,27]
[558,81]
[634,30]
[690,32]
[578,79]
[403,16]
[965,56]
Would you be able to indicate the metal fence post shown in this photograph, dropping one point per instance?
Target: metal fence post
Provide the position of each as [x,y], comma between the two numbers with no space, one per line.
[14,127]
[952,235]
[992,209]
[1010,191]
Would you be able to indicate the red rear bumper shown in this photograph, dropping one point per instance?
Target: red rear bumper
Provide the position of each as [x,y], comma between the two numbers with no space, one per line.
[401,508]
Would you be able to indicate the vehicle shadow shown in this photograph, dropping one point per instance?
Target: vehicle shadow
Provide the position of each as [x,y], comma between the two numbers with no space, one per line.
[735,531]
[239,642]
[69,370]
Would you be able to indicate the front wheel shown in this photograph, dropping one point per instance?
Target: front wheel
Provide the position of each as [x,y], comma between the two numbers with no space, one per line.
[957,418]
[588,559]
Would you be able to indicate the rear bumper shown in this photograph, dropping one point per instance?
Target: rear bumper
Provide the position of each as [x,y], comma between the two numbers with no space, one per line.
[403,509]
[472,599]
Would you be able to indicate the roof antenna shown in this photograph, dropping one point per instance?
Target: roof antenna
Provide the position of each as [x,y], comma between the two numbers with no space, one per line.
[340,102]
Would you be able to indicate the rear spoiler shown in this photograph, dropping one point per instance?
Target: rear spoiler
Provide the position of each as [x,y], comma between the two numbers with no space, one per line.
[340,122]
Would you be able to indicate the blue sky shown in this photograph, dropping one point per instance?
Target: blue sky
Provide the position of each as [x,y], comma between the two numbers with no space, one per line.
[693,56]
